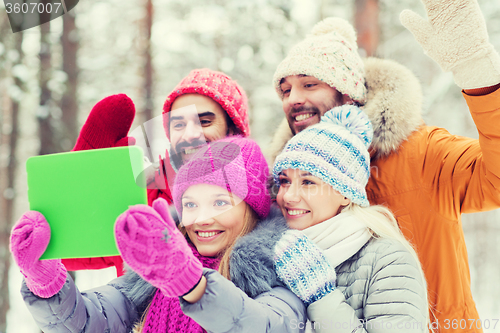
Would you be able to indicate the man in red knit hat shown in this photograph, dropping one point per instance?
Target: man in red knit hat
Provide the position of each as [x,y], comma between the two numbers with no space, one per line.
[221,110]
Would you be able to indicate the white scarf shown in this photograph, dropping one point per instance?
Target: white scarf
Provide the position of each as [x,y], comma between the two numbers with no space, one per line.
[340,237]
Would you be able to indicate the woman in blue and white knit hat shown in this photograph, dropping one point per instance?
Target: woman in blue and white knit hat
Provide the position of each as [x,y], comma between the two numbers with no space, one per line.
[377,283]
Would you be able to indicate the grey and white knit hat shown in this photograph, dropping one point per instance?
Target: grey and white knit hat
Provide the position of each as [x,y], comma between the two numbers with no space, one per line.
[330,54]
[334,150]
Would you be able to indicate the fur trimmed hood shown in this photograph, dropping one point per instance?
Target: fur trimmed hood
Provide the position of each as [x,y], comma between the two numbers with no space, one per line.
[394,104]
[251,262]
[252,257]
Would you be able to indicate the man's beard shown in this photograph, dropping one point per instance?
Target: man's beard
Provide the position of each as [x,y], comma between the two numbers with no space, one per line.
[175,158]
[294,111]
[176,154]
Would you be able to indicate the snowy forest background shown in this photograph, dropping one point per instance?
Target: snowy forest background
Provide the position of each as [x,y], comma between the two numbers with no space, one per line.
[51,76]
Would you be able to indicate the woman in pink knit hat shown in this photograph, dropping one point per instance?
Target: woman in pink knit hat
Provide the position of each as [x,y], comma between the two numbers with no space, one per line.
[208,276]
[221,109]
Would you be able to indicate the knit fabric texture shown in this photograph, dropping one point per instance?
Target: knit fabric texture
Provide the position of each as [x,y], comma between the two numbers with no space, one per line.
[219,87]
[303,267]
[165,314]
[107,124]
[334,150]
[233,163]
[330,54]
[154,248]
[28,240]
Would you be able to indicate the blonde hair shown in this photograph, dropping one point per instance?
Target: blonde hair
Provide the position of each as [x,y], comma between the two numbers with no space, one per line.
[250,219]
[139,326]
[382,224]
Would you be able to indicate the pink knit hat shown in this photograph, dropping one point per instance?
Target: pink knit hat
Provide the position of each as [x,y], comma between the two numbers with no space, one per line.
[234,163]
[219,87]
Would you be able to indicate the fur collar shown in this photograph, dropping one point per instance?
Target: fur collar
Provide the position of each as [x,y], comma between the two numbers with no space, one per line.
[394,105]
[252,257]
[251,262]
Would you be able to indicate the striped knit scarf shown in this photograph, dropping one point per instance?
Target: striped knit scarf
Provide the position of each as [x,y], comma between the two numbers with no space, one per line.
[165,314]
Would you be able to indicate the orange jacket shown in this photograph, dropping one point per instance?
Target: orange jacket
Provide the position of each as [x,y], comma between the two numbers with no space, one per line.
[428,178]
[428,183]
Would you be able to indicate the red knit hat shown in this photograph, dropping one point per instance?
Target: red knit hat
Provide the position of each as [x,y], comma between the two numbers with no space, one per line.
[219,87]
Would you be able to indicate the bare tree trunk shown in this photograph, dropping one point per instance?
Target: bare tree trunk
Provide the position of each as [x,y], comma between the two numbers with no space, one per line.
[44,112]
[9,135]
[70,42]
[69,101]
[367,25]
[148,64]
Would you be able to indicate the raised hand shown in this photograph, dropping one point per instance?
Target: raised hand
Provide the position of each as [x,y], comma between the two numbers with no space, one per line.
[303,268]
[28,240]
[455,37]
[108,124]
[154,248]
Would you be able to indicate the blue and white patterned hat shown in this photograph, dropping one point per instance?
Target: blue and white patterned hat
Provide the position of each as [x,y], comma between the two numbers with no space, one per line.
[334,150]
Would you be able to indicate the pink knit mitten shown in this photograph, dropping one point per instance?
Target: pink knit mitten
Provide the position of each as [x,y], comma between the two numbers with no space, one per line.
[28,240]
[108,124]
[154,248]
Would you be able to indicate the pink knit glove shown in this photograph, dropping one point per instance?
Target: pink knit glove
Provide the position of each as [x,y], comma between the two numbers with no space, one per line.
[28,240]
[154,248]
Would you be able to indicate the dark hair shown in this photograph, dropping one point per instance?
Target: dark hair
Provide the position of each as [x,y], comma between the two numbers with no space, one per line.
[231,127]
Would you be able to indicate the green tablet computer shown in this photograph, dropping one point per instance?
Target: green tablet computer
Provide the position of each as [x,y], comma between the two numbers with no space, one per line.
[81,194]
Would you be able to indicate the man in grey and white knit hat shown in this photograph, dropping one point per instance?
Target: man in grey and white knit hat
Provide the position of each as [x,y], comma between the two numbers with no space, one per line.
[425,175]
[325,68]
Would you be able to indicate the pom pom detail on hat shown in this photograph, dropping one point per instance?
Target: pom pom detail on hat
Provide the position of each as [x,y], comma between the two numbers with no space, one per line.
[338,25]
[330,54]
[334,150]
[353,119]
[219,87]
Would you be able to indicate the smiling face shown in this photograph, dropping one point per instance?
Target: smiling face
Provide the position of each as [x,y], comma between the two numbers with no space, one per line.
[306,200]
[213,218]
[306,99]
[190,129]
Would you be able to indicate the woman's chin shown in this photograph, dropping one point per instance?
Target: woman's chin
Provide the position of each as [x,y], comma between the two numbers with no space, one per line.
[206,252]
[297,225]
